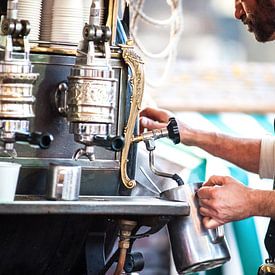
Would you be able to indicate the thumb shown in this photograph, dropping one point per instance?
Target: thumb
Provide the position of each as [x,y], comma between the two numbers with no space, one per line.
[150,124]
[210,223]
[215,181]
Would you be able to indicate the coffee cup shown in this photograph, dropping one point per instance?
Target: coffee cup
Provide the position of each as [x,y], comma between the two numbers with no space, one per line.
[9,172]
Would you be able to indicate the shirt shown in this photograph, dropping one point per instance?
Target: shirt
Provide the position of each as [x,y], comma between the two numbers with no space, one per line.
[267,157]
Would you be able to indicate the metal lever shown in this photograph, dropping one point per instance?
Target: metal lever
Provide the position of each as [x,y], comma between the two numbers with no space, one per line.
[171,131]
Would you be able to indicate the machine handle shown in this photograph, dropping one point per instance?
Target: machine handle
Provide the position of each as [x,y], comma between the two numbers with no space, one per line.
[173,130]
[114,143]
[43,140]
[217,234]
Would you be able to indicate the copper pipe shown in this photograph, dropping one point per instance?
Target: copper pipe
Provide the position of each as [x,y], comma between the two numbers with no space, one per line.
[121,261]
[126,228]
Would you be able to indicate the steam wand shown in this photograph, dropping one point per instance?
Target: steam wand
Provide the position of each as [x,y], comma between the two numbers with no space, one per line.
[172,131]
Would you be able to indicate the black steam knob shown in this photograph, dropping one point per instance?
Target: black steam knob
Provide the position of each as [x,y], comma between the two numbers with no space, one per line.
[173,130]
[114,143]
[43,140]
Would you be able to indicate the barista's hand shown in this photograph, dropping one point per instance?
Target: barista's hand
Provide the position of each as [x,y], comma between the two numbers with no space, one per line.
[152,118]
[222,200]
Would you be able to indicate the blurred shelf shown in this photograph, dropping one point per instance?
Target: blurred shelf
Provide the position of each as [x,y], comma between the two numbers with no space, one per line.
[230,87]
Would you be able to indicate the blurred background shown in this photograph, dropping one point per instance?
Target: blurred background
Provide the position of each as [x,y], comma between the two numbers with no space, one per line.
[204,52]
[202,64]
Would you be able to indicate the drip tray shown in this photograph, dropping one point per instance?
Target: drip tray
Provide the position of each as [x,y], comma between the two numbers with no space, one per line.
[96,205]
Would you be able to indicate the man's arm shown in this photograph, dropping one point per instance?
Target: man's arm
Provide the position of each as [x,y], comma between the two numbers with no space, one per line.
[245,153]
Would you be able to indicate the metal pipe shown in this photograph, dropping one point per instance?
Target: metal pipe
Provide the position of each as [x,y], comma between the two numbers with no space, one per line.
[174,177]
[121,260]
[154,169]
[126,228]
[154,135]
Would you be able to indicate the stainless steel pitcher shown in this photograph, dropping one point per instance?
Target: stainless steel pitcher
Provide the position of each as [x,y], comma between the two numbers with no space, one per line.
[194,247]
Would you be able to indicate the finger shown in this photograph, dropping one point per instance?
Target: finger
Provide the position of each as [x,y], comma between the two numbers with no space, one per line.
[205,192]
[150,124]
[205,203]
[215,180]
[207,212]
[156,114]
[211,223]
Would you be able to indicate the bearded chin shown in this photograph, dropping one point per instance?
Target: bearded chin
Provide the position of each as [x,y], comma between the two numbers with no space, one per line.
[261,37]
[263,28]
[263,31]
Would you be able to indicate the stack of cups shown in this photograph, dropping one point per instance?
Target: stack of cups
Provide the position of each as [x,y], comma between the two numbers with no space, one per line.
[31,10]
[67,21]
[46,22]
[86,11]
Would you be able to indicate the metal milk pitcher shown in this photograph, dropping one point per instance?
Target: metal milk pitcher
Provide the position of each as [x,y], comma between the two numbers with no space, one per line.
[194,247]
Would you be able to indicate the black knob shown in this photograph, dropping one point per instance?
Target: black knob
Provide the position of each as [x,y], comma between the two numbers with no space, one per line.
[134,262]
[173,130]
[114,143]
[43,140]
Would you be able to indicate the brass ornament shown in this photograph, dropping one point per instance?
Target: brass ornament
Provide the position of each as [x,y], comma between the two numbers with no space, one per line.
[137,82]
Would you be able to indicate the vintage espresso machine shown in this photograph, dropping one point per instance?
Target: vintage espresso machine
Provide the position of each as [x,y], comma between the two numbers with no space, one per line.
[66,104]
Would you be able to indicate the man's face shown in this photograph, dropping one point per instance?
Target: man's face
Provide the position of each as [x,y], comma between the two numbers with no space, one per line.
[259,16]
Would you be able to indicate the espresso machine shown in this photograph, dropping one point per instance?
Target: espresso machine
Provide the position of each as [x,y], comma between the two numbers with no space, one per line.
[65,104]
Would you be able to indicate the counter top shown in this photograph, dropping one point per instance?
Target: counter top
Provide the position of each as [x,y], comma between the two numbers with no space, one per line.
[96,205]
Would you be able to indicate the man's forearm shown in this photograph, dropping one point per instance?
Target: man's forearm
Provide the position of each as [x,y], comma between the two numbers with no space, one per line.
[245,153]
[263,203]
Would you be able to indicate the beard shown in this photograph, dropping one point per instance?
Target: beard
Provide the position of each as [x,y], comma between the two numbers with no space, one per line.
[262,25]
[263,31]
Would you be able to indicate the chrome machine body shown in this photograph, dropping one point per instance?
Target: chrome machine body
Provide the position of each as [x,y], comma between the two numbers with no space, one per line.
[75,106]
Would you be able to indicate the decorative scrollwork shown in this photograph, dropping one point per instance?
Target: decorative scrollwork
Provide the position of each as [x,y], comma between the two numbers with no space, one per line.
[137,82]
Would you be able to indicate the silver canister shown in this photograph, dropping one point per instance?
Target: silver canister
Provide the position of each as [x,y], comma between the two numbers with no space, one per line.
[194,247]
[63,182]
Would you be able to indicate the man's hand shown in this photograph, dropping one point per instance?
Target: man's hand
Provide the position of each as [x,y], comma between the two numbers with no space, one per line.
[152,118]
[222,200]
